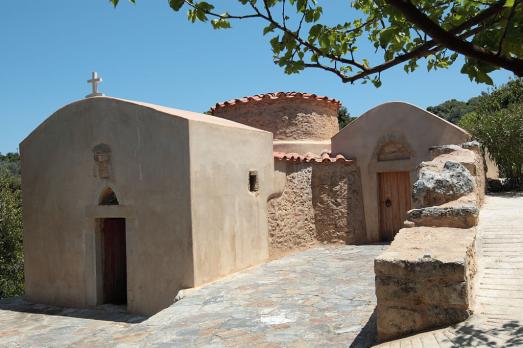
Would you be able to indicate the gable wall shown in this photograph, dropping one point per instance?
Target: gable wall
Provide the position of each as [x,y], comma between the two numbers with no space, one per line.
[396,121]
[149,174]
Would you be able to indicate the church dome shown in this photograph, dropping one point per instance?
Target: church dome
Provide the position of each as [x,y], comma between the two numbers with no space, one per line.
[290,116]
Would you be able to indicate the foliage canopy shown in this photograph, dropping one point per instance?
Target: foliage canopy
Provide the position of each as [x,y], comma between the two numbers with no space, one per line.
[498,124]
[487,33]
[452,110]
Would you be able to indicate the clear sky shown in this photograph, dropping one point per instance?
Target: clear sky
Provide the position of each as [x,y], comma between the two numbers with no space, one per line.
[148,53]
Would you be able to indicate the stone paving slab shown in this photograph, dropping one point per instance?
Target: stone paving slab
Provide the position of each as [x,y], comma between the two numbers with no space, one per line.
[319,297]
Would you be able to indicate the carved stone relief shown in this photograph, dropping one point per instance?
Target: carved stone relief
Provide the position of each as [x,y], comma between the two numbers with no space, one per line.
[102,161]
[393,147]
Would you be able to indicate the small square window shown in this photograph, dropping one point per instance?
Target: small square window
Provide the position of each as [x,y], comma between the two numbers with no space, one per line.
[253,181]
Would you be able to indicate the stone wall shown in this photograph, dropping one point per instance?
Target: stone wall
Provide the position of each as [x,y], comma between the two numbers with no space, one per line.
[420,281]
[320,202]
[425,278]
[291,215]
[450,188]
[337,203]
[289,116]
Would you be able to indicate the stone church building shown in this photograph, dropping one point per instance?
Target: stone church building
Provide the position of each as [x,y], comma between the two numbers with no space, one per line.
[127,202]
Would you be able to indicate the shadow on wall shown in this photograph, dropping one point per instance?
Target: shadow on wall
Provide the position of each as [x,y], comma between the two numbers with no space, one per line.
[104,312]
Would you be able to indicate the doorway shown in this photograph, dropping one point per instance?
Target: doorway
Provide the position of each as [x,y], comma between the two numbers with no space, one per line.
[394,201]
[113,261]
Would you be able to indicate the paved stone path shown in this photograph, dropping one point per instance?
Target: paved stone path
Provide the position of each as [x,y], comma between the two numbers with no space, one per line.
[498,311]
[320,297]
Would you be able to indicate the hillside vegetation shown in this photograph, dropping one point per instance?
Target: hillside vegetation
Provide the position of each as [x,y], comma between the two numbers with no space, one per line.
[11,252]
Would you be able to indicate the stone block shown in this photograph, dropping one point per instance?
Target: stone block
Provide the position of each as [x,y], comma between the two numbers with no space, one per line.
[436,151]
[422,280]
[446,216]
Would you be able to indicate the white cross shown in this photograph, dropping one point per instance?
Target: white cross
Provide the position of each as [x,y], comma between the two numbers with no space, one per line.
[94,81]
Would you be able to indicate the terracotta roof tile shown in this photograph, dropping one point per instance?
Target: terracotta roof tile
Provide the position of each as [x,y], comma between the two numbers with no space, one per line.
[271,96]
[325,157]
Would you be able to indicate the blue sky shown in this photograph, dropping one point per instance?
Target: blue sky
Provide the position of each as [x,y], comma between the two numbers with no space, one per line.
[148,53]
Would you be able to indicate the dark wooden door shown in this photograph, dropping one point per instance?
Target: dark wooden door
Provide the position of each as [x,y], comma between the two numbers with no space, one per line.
[114,261]
[395,201]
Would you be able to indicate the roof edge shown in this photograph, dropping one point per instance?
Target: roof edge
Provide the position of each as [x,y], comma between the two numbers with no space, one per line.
[184,114]
[398,102]
[273,96]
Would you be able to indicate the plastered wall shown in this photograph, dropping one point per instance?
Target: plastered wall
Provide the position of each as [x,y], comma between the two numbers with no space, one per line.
[181,180]
[402,134]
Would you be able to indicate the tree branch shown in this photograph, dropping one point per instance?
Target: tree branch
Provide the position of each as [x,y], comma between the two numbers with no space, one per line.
[447,39]
[228,16]
[305,43]
[511,14]
[424,50]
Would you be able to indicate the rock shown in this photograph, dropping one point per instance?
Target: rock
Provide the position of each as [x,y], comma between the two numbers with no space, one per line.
[408,224]
[436,186]
[181,294]
[436,151]
[471,145]
[458,217]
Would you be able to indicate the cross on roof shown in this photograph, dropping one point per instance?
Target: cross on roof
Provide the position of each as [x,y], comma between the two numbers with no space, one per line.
[94,81]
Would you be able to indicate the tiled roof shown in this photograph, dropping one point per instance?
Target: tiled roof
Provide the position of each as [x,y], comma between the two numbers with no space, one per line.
[275,95]
[325,157]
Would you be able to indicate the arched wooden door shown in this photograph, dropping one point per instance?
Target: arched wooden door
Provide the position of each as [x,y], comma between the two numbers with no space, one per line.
[395,201]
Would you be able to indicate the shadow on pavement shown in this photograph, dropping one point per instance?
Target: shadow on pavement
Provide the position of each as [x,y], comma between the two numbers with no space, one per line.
[507,334]
[103,312]
[367,336]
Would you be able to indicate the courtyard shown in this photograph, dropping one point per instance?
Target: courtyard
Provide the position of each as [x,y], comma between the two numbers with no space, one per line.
[323,296]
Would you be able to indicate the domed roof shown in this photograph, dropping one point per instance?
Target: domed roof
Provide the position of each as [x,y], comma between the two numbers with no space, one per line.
[273,96]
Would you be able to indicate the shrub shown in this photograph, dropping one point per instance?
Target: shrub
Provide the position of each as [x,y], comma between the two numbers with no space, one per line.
[11,254]
[498,125]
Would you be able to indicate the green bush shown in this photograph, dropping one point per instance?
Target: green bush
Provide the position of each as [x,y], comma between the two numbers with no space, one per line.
[11,252]
[498,125]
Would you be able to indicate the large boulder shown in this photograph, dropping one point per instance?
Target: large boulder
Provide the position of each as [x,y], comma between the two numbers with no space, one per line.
[438,185]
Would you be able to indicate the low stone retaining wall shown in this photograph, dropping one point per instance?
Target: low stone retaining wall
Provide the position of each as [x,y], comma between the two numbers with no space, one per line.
[421,281]
[424,279]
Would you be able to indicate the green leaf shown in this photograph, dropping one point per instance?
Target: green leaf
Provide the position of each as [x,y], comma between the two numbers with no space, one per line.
[268,29]
[176,5]
[220,23]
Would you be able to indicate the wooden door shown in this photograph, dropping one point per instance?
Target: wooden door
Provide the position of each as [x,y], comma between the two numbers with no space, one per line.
[114,261]
[395,201]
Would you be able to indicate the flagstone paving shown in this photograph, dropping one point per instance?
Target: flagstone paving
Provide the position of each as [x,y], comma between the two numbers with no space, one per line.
[320,297]
[498,312]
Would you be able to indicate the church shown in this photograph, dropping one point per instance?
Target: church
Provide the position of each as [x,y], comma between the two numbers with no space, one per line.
[127,202]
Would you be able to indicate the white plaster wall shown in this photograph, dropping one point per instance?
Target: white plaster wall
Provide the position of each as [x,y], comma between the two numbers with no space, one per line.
[229,222]
[60,195]
[359,140]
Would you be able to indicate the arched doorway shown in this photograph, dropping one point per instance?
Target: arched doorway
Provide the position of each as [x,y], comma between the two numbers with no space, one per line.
[112,254]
